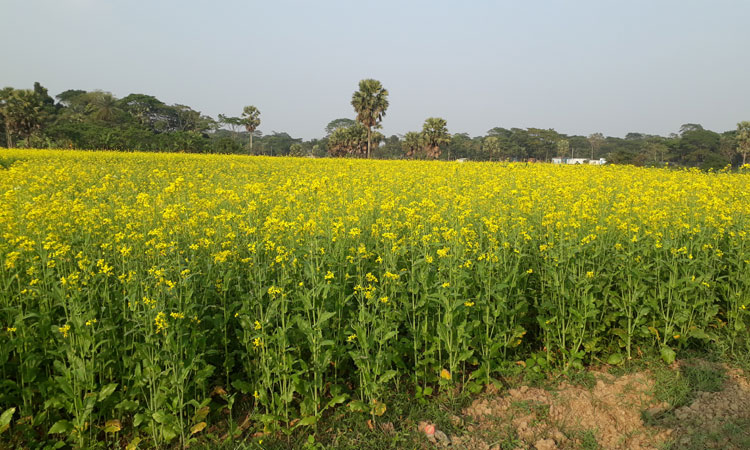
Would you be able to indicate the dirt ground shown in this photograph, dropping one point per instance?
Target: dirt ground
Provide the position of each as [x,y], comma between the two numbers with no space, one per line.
[612,412]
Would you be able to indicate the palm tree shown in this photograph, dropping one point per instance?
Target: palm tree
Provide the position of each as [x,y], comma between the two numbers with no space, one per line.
[296,149]
[370,103]
[341,142]
[23,113]
[491,146]
[102,105]
[351,140]
[596,140]
[434,134]
[251,120]
[563,147]
[411,144]
[743,140]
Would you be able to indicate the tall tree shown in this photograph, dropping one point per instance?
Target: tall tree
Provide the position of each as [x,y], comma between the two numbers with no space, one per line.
[743,140]
[390,148]
[146,108]
[696,144]
[338,123]
[688,127]
[23,113]
[73,104]
[491,146]
[187,119]
[251,121]
[370,103]
[540,142]
[234,123]
[44,97]
[595,140]
[296,149]
[411,144]
[5,94]
[434,134]
[102,105]
[563,147]
[66,97]
[353,140]
[655,150]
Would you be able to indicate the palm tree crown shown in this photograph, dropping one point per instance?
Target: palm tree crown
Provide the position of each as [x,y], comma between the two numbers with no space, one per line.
[435,133]
[370,103]
[251,121]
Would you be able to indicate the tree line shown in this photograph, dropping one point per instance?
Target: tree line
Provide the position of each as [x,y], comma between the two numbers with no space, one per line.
[98,120]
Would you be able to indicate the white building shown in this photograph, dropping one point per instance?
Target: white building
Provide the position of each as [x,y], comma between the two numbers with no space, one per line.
[596,162]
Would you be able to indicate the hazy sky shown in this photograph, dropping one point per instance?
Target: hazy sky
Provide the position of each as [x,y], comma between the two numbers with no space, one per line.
[576,66]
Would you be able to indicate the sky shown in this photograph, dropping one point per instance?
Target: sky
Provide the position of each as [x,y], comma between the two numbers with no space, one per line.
[578,67]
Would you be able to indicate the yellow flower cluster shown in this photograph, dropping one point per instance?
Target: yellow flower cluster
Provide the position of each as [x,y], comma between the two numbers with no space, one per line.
[412,255]
[161,322]
[64,330]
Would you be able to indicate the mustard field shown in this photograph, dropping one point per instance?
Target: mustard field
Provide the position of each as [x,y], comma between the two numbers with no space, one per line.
[138,291]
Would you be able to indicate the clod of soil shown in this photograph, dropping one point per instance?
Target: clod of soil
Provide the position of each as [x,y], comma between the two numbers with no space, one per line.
[610,415]
[711,412]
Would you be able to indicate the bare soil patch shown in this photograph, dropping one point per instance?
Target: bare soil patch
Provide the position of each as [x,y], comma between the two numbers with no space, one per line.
[618,412]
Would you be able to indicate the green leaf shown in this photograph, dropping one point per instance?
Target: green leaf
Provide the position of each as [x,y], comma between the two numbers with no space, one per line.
[465,355]
[133,444]
[387,376]
[242,386]
[198,427]
[307,421]
[619,332]
[107,391]
[667,354]
[615,359]
[378,408]
[700,334]
[112,426]
[201,414]
[325,316]
[61,426]
[336,400]
[5,419]
[357,406]
[160,417]
[169,433]
[127,405]
[389,335]
[138,419]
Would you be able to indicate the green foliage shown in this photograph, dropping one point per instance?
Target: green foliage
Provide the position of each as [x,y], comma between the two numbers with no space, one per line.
[296,149]
[250,118]
[154,292]
[352,141]
[370,103]
[97,120]
[23,113]
[412,144]
[491,147]
[743,140]
[434,135]
[338,123]
[251,121]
